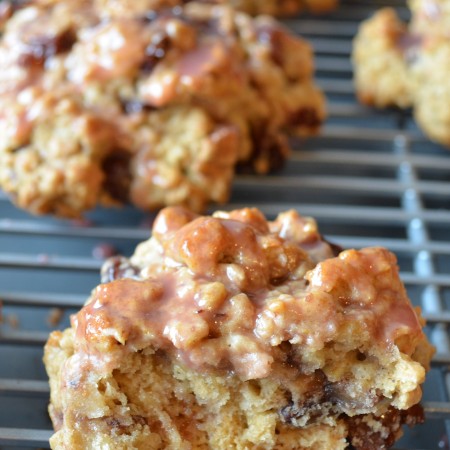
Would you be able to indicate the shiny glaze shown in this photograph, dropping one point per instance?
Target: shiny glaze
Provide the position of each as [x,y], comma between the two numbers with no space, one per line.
[224,292]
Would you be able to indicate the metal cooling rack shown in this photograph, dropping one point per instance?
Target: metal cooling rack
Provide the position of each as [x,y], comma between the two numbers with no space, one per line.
[371,178]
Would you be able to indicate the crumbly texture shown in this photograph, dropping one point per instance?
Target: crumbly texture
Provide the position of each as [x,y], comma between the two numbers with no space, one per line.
[233,332]
[133,101]
[407,65]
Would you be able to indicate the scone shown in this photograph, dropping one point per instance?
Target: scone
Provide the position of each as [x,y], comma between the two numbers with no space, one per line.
[234,332]
[112,102]
[407,65]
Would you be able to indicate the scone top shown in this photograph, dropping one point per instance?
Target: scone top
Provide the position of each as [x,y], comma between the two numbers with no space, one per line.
[240,249]
[236,292]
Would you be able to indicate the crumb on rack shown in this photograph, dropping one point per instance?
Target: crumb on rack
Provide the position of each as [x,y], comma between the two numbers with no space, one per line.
[103,251]
[54,316]
[12,320]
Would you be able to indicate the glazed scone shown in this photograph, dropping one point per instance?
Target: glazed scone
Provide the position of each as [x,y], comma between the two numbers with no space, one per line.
[234,332]
[112,102]
[406,65]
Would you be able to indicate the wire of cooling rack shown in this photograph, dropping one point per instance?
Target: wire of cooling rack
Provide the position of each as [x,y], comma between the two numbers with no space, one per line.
[370,178]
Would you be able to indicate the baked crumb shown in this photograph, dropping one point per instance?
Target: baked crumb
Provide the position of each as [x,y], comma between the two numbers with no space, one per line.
[12,320]
[55,316]
[103,251]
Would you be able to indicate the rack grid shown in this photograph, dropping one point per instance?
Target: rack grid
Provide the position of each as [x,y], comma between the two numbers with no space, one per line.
[370,178]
